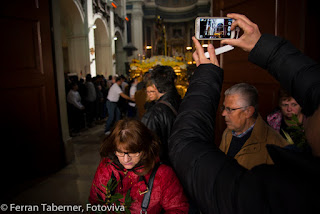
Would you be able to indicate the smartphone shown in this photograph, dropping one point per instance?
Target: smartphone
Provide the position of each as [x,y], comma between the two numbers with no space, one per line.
[213,28]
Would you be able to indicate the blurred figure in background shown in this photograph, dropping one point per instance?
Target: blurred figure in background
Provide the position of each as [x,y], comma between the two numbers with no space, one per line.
[90,100]
[141,95]
[132,110]
[114,113]
[75,109]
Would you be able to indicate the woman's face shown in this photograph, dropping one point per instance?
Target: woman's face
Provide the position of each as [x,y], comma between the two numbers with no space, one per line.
[152,93]
[126,158]
[290,107]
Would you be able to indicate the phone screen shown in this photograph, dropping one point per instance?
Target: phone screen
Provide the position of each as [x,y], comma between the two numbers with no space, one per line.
[215,28]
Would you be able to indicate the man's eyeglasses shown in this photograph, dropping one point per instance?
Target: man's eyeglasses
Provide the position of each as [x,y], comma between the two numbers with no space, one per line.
[130,154]
[151,92]
[230,110]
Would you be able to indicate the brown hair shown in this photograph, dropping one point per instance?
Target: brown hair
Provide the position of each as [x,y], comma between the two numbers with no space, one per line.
[149,83]
[284,95]
[134,136]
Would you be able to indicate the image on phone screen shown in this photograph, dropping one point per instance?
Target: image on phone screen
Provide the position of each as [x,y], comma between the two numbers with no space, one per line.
[212,28]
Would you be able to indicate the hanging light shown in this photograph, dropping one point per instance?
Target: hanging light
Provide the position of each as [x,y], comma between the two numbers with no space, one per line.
[114,4]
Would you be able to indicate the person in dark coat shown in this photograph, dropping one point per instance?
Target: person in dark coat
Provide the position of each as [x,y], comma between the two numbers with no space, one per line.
[216,182]
[160,117]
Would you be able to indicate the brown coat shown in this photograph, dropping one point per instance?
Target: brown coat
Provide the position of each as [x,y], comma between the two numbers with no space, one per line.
[254,151]
[140,99]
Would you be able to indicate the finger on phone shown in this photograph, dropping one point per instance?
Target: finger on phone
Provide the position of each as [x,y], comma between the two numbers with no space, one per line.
[232,42]
[213,57]
[198,46]
[240,17]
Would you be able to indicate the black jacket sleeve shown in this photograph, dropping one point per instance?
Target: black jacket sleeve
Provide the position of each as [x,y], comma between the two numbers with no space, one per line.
[217,183]
[207,174]
[296,72]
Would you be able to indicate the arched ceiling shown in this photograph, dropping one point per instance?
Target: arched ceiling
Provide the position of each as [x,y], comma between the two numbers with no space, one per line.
[70,18]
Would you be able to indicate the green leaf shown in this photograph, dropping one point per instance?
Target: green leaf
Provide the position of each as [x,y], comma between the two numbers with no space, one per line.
[127,211]
[115,184]
[100,198]
[115,197]
[295,118]
[127,196]
[291,122]
[117,203]
[109,183]
[100,190]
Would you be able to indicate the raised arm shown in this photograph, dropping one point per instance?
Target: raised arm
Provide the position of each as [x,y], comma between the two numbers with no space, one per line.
[296,72]
[193,153]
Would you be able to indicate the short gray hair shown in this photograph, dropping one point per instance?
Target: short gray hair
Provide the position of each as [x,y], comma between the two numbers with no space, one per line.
[249,95]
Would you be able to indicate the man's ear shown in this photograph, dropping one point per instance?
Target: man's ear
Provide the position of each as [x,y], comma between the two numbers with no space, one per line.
[249,111]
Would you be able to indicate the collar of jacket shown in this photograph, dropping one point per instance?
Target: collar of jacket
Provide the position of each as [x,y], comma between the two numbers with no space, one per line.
[119,167]
[258,134]
[170,96]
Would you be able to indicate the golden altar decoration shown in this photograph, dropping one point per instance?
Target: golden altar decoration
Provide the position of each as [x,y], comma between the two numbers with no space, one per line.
[139,67]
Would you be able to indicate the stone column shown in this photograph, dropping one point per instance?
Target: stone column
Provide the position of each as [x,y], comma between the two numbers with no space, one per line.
[92,55]
[137,27]
[113,45]
[77,53]
[61,83]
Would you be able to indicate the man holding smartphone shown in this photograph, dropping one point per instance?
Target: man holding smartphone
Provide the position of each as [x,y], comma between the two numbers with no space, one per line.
[218,183]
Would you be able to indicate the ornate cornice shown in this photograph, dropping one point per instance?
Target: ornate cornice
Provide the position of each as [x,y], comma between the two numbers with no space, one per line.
[101,7]
[170,15]
[119,22]
[175,3]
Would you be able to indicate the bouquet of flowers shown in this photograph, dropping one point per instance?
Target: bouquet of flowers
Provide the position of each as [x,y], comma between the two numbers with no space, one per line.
[295,133]
[112,201]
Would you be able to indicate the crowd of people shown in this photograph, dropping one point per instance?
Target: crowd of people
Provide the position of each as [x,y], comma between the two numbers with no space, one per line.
[87,100]
[160,150]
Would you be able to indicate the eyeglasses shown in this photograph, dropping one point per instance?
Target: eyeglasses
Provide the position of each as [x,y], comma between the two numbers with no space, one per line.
[230,110]
[130,154]
[151,92]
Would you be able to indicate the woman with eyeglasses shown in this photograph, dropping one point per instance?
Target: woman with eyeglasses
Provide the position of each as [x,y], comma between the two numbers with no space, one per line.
[129,155]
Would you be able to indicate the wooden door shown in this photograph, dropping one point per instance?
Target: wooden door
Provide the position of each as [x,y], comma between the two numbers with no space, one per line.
[285,18]
[31,146]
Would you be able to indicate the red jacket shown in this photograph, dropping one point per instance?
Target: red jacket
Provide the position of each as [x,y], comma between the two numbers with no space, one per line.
[167,192]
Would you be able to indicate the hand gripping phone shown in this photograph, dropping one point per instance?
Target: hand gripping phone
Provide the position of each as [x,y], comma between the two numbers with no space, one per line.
[214,28]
